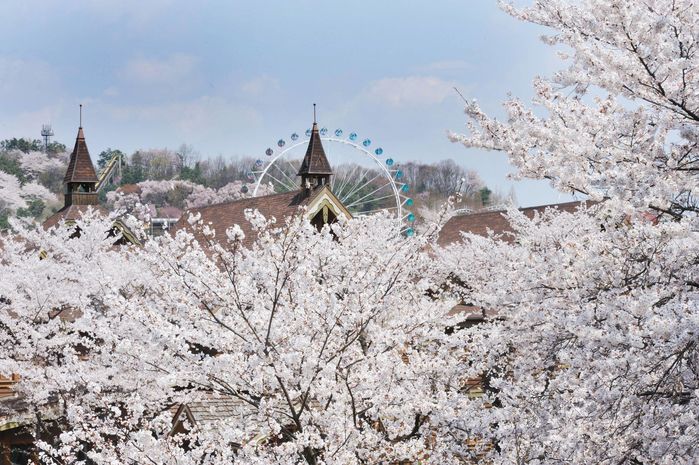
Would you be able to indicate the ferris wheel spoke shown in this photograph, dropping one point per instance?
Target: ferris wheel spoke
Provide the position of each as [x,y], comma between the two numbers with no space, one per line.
[334,182]
[293,183]
[359,186]
[347,185]
[369,206]
[294,169]
[282,183]
[358,201]
[345,180]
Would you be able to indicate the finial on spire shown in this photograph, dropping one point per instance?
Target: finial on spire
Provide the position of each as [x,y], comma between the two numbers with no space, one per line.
[314,113]
[81,115]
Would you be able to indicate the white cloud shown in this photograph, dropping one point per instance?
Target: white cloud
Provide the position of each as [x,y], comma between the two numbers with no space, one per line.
[20,77]
[447,65]
[111,91]
[137,14]
[189,118]
[127,14]
[411,90]
[175,68]
[260,85]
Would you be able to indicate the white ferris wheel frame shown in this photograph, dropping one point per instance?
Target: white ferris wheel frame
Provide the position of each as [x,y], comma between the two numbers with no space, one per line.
[389,173]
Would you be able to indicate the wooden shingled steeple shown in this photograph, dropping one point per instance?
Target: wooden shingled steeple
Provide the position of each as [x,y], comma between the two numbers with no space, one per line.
[80,193]
[315,169]
[80,181]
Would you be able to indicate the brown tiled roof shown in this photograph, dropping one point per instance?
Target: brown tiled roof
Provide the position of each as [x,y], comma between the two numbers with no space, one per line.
[71,213]
[480,223]
[224,215]
[80,168]
[315,161]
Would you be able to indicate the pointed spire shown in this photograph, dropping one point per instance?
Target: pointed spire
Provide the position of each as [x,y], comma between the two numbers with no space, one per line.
[80,181]
[315,165]
[80,168]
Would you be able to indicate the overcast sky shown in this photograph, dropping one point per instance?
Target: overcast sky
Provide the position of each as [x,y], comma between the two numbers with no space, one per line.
[232,77]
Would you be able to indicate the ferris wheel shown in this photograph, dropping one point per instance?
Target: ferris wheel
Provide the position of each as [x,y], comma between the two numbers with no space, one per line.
[365,179]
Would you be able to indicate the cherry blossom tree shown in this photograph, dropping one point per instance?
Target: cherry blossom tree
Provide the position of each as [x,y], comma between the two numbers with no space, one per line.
[179,194]
[201,196]
[24,183]
[52,324]
[15,195]
[35,163]
[591,355]
[328,347]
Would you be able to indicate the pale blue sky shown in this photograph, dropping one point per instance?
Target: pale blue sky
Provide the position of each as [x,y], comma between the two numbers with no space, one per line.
[232,77]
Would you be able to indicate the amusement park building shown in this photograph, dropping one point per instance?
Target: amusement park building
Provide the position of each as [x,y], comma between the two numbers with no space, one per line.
[80,194]
[79,183]
[315,196]
[320,206]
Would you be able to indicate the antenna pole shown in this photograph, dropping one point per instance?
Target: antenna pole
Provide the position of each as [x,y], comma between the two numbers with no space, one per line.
[314,113]
[81,115]
[46,133]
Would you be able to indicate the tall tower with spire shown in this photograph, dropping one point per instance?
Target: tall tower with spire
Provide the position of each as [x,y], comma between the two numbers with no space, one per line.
[80,181]
[79,184]
[315,169]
